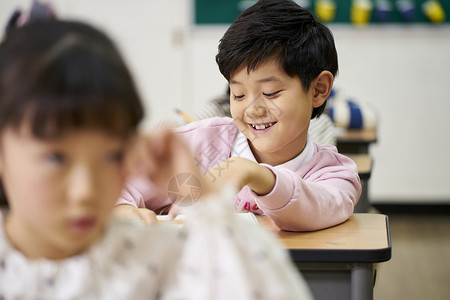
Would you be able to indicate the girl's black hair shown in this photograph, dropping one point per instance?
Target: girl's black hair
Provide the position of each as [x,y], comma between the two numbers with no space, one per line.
[60,76]
[283,31]
[64,75]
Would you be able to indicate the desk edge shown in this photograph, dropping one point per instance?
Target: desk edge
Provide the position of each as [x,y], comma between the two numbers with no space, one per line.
[344,256]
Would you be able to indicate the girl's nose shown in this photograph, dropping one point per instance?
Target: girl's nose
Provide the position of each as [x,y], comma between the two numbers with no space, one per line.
[81,186]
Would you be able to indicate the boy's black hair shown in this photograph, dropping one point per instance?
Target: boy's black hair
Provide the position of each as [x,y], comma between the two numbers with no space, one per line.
[280,30]
[64,75]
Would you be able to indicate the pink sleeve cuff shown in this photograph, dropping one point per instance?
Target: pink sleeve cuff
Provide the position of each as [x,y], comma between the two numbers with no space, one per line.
[281,193]
[131,196]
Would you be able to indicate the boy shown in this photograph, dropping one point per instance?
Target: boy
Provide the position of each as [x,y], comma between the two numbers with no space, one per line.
[280,63]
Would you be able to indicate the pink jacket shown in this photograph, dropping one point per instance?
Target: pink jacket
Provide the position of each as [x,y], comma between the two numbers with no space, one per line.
[320,194]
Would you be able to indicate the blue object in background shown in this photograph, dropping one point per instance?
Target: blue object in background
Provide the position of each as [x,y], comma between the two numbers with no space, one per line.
[407,9]
[356,118]
[383,10]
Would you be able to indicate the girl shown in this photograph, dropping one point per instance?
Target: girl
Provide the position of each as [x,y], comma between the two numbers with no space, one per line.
[69,113]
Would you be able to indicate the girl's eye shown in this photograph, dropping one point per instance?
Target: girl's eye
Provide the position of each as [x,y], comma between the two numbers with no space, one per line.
[115,156]
[272,95]
[238,97]
[56,158]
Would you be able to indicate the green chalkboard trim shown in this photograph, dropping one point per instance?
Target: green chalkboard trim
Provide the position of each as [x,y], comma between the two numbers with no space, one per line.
[224,12]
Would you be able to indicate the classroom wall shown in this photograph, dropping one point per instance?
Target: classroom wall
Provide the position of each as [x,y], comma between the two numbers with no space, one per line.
[401,70]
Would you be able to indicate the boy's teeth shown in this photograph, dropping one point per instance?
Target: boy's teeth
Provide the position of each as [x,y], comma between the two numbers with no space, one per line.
[261,126]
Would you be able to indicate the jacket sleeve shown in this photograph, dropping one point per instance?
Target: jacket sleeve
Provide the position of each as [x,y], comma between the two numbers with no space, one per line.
[320,194]
[142,193]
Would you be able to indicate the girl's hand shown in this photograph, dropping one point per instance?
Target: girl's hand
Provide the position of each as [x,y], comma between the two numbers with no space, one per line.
[164,157]
[143,214]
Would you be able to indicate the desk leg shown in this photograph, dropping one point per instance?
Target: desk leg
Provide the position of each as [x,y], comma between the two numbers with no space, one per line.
[362,282]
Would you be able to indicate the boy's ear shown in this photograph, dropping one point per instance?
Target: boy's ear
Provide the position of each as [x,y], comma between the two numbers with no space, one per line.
[322,88]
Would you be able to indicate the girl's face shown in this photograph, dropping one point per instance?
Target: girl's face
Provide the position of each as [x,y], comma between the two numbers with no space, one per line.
[60,192]
[272,110]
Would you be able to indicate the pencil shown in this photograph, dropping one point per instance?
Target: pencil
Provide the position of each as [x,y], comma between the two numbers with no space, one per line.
[184,115]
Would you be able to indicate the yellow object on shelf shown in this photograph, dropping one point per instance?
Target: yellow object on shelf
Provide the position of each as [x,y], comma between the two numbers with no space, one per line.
[360,12]
[325,10]
[433,10]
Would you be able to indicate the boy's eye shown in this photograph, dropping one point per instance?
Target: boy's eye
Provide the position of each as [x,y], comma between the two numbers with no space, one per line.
[270,95]
[238,97]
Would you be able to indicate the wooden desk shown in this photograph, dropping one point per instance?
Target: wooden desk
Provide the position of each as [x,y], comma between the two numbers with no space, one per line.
[365,164]
[338,262]
[356,141]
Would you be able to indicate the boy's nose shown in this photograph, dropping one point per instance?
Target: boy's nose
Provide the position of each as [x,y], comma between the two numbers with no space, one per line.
[81,186]
[256,108]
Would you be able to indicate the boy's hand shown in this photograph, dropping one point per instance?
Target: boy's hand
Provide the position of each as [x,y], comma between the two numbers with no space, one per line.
[240,172]
[143,214]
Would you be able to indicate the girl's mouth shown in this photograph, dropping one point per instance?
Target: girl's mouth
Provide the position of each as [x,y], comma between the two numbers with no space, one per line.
[83,224]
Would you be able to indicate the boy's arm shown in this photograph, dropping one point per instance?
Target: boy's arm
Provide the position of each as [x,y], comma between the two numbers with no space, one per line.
[297,204]
[141,192]
[139,200]
[322,194]
[241,172]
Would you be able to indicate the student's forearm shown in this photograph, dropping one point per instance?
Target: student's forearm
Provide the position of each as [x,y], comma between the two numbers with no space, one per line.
[261,180]
[241,172]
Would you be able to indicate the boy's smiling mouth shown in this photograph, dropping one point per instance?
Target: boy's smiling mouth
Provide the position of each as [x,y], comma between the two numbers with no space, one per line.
[262,126]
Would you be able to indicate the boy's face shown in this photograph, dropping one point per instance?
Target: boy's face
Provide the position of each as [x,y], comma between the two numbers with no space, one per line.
[61,191]
[272,110]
